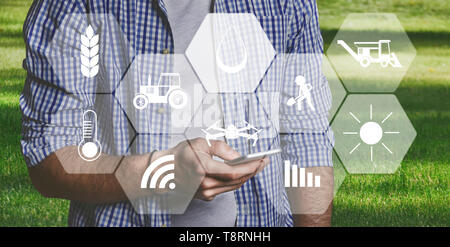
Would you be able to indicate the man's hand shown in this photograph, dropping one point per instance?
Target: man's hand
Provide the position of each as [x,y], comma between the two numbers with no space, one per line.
[195,156]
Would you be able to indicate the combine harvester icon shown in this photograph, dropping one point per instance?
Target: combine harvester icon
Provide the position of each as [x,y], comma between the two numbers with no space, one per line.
[367,49]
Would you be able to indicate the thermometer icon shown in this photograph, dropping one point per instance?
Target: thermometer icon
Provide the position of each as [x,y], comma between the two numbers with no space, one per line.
[89,148]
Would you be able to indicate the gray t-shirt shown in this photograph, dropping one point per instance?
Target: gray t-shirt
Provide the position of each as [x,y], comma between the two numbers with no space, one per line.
[185,17]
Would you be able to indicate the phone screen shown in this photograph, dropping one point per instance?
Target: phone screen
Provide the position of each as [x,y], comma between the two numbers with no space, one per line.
[252,157]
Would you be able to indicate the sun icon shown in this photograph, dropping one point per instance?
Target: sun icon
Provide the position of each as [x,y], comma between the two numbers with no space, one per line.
[371,133]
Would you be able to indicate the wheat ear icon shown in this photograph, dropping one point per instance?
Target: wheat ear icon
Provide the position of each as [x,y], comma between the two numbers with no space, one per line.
[89,53]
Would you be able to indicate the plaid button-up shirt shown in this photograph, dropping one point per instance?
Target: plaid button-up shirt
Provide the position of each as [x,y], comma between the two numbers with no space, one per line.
[52,115]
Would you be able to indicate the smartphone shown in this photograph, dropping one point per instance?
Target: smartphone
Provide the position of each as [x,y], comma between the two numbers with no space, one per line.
[252,157]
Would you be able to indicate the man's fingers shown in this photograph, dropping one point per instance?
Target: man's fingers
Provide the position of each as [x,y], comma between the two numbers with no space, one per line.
[220,170]
[222,150]
[226,172]
[266,162]
[209,195]
[210,182]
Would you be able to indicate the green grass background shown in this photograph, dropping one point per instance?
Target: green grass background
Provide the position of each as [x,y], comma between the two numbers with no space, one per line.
[416,195]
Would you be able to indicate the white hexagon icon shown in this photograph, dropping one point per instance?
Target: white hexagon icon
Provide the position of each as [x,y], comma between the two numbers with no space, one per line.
[89,54]
[230,52]
[371,52]
[95,127]
[166,185]
[327,91]
[372,133]
[159,93]
[310,92]
[254,122]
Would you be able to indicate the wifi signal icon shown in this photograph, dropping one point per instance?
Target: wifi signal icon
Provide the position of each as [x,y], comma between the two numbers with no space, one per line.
[158,172]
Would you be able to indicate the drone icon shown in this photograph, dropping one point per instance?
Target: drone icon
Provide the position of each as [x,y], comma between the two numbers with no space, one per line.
[231,132]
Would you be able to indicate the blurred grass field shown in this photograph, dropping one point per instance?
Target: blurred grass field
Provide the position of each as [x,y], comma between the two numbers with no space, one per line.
[416,195]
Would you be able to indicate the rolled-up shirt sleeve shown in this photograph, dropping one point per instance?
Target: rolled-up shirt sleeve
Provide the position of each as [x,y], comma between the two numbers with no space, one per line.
[307,139]
[50,115]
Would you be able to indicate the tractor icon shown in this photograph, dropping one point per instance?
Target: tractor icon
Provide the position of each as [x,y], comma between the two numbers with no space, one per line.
[168,90]
[365,49]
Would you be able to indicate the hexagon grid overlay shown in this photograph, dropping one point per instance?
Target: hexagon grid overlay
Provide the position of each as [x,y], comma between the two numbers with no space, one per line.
[230,53]
[371,52]
[372,133]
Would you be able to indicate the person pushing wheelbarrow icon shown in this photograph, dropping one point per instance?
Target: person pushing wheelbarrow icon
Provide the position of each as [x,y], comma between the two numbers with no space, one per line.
[304,93]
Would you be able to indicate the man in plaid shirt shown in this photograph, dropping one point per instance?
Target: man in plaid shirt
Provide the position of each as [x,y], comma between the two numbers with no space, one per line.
[52,107]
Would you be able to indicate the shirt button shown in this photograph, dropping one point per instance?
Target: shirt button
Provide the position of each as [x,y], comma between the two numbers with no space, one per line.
[166,51]
[161,110]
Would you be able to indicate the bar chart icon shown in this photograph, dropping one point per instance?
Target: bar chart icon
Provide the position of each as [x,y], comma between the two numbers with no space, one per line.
[298,177]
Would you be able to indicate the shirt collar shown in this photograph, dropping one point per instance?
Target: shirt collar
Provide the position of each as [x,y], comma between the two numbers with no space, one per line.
[214,5]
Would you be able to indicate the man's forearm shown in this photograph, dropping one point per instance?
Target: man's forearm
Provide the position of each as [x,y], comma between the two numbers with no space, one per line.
[52,180]
[313,206]
[308,220]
